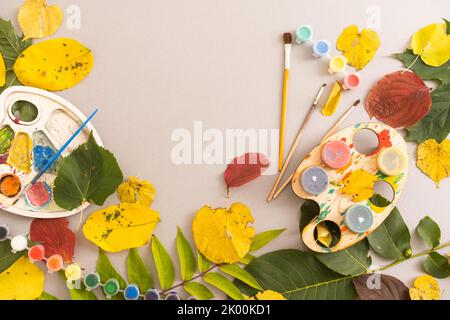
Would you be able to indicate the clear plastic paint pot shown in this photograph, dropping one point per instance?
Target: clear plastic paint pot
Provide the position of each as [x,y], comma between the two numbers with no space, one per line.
[314,180]
[335,154]
[131,292]
[38,195]
[321,48]
[73,272]
[337,64]
[352,81]
[111,288]
[36,253]
[19,243]
[392,161]
[359,218]
[4,232]
[304,34]
[91,281]
[55,263]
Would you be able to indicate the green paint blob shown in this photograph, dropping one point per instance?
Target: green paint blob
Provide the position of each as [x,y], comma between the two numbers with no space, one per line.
[111,287]
[92,281]
[24,111]
[6,136]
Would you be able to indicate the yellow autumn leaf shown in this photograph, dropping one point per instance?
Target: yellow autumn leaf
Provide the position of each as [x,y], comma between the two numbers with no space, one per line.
[425,288]
[223,235]
[432,44]
[120,227]
[39,20]
[359,184]
[2,71]
[434,159]
[324,235]
[135,190]
[21,281]
[267,295]
[358,47]
[53,65]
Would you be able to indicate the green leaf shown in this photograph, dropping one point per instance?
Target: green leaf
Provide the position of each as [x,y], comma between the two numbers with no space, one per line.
[308,211]
[106,271]
[247,259]
[437,265]
[351,261]
[186,256]
[298,275]
[82,294]
[198,290]
[435,125]
[203,263]
[429,231]
[262,239]
[447,23]
[90,173]
[137,271]
[7,257]
[163,263]
[220,282]
[237,272]
[47,296]
[11,46]
[391,239]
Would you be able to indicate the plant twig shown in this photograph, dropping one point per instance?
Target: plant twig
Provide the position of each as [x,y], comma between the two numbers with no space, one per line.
[201,274]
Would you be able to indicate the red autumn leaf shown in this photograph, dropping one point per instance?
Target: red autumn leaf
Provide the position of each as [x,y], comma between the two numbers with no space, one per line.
[55,236]
[244,169]
[400,99]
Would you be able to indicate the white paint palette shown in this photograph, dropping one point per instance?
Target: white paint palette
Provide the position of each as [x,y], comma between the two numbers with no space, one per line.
[34,124]
[351,186]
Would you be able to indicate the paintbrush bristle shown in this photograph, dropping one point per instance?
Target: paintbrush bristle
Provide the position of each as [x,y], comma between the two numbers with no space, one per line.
[287,38]
[357,102]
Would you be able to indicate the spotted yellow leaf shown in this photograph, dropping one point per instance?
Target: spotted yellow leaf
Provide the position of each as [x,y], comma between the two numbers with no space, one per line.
[39,20]
[120,227]
[21,281]
[2,71]
[54,65]
[267,295]
[425,288]
[432,44]
[135,190]
[223,235]
[358,47]
[434,159]
[359,184]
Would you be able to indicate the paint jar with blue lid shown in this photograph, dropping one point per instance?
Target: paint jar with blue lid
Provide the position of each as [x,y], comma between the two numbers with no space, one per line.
[359,218]
[131,292]
[321,49]
[304,34]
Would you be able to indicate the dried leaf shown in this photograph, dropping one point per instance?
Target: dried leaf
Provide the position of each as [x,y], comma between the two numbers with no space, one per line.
[55,236]
[358,47]
[359,184]
[54,65]
[135,190]
[400,99]
[425,288]
[434,159]
[120,227]
[244,169]
[222,235]
[432,44]
[22,281]
[380,287]
[39,20]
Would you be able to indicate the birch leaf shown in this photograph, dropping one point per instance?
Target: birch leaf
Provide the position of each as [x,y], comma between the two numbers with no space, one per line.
[120,227]
[359,184]
[434,159]
[54,65]
[222,235]
[432,44]
[39,20]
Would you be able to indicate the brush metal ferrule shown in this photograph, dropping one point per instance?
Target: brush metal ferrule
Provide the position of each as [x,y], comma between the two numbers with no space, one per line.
[287,55]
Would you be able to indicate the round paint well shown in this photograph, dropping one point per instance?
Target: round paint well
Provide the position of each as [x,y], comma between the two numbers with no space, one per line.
[10,185]
[314,180]
[352,81]
[24,112]
[337,64]
[335,154]
[303,34]
[392,161]
[92,281]
[321,48]
[38,195]
[359,218]
[36,253]
[131,292]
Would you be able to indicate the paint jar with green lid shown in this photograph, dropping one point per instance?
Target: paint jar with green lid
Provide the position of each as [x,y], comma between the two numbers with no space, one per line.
[111,288]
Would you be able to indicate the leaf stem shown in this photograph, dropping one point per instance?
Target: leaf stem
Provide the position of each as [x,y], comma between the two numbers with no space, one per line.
[201,274]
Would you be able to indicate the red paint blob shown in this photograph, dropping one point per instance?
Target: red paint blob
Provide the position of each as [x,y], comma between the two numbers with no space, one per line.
[38,194]
[36,253]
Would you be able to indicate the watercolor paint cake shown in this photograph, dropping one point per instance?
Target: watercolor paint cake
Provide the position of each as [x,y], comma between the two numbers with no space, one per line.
[34,124]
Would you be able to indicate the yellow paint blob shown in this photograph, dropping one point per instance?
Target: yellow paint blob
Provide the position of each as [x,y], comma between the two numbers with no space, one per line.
[20,154]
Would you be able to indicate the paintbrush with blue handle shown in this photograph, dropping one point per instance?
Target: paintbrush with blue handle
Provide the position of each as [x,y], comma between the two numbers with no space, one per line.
[55,157]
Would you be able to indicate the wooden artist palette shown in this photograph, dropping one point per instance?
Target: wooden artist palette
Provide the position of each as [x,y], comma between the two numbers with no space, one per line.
[34,124]
[349,187]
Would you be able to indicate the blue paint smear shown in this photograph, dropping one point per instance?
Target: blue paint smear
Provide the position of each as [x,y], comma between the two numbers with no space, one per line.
[41,156]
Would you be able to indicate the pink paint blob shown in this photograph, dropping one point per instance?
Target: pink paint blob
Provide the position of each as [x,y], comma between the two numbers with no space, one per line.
[352,81]
[38,195]
[335,154]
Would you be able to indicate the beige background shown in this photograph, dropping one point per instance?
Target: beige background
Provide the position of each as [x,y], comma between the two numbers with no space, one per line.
[161,65]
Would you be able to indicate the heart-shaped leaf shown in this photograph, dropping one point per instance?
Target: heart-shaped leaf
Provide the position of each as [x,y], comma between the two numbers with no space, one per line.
[55,236]
[400,99]
[39,20]
[432,44]
[434,159]
[380,287]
